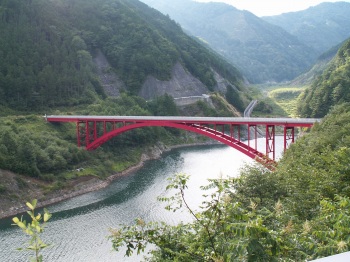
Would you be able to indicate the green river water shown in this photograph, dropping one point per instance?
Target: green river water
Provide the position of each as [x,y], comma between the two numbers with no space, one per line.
[79,227]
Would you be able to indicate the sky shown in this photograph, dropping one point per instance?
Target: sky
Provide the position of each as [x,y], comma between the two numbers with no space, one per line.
[272,7]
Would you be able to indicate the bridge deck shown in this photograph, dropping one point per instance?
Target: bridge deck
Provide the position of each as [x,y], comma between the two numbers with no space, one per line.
[301,122]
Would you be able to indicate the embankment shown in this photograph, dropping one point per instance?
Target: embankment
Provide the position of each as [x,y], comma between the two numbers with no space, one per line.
[30,188]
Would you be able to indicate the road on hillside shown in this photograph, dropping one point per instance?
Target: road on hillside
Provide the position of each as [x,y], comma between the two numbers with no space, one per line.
[248,111]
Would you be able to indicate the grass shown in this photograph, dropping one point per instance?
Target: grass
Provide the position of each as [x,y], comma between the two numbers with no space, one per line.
[121,166]
[282,99]
[287,98]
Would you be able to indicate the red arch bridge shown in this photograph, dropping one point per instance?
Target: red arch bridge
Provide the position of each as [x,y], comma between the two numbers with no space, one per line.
[241,133]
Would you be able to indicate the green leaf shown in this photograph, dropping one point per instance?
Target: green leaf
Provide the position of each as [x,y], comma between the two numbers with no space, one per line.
[31,207]
[21,225]
[47,216]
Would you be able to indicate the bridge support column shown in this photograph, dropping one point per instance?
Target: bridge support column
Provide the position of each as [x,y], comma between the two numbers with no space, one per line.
[255,136]
[87,133]
[78,133]
[288,136]
[81,129]
[237,134]
[270,141]
[95,130]
[249,135]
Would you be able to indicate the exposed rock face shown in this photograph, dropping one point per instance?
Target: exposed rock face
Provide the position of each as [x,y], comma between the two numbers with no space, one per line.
[109,80]
[181,84]
[222,83]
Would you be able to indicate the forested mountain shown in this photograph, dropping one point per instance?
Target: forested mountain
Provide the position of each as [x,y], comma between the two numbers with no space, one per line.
[322,62]
[60,56]
[262,51]
[329,89]
[47,50]
[321,27]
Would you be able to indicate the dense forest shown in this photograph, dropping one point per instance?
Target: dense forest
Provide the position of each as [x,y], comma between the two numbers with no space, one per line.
[329,89]
[46,50]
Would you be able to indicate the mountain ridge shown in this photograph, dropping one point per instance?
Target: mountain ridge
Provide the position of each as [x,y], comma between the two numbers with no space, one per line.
[321,27]
[262,51]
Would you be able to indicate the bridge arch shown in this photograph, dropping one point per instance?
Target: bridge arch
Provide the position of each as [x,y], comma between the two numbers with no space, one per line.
[209,132]
[220,136]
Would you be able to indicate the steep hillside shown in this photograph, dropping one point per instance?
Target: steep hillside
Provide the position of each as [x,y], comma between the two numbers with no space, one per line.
[56,53]
[263,52]
[329,89]
[317,69]
[320,27]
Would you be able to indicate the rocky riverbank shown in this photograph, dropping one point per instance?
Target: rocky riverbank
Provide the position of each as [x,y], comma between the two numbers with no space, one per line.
[13,203]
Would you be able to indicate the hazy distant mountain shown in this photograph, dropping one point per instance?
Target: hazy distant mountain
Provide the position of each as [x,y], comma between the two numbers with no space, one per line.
[320,27]
[262,51]
[317,69]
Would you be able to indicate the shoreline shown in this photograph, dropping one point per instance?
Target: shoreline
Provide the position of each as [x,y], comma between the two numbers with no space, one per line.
[98,184]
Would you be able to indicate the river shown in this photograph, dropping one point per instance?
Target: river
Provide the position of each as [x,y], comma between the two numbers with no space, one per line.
[79,227]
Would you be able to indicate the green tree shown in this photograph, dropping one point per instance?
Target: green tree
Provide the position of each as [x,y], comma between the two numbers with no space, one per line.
[233,97]
[329,89]
[223,231]
[26,157]
[34,229]
[163,106]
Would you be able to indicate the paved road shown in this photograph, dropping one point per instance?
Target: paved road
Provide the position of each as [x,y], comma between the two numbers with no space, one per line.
[248,111]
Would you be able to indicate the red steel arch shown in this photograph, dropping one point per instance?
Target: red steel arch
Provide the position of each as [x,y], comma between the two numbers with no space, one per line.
[209,132]
[93,131]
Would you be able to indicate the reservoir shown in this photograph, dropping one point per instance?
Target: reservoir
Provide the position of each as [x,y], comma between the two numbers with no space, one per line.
[79,227]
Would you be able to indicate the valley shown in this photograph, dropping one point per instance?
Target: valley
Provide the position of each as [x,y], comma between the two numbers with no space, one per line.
[184,58]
